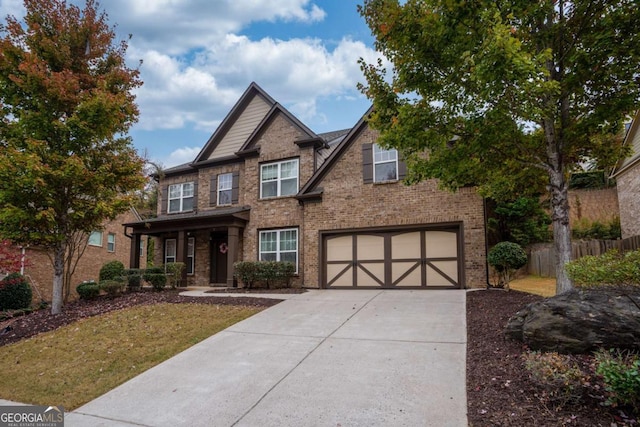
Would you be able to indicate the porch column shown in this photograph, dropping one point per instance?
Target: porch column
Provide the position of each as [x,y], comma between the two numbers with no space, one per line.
[233,234]
[134,253]
[181,254]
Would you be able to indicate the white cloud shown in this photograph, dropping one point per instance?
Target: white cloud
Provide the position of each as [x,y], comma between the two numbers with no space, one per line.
[178,26]
[181,156]
[295,72]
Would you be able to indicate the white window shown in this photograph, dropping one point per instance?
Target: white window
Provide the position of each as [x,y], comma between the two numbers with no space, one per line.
[141,247]
[225,185]
[95,238]
[279,245]
[279,179]
[191,250]
[111,242]
[169,251]
[385,164]
[181,197]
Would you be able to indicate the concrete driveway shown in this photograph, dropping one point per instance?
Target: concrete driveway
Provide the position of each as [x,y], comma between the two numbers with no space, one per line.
[323,358]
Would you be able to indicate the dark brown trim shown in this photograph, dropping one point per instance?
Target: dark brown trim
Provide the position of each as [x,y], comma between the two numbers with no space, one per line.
[387,232]
[315,142]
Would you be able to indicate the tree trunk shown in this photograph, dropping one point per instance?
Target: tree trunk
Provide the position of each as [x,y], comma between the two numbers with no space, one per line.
[561,229]
[58,278]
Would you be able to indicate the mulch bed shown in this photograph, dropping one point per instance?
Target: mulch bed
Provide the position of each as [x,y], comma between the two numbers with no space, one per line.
[499,390]
[39,321]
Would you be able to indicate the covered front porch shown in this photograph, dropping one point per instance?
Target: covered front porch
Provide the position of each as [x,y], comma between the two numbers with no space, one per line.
[208,243]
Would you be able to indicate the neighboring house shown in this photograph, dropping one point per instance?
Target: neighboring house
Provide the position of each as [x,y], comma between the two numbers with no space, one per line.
[266,187]
[103,246]
[627,175]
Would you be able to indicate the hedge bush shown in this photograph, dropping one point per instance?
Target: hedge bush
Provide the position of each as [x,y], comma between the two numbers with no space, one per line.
[88,290]
[269,273]
[156,277]
[506,258]
[111,287]
[610,269]
[174,273]
[112,270]
[15,292]
[134,278]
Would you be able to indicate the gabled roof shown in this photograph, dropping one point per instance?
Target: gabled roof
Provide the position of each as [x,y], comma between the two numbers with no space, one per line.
[632,139]
[273,112]
[247,97]
[311,189]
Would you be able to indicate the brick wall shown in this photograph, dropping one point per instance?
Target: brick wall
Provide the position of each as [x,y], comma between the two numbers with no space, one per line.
[629,201]
[349,203]
[40,268]
[276,143]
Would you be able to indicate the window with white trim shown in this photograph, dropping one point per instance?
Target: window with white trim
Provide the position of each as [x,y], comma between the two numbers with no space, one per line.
[180,197]
[169,251]
[225,186]
[111,242]
[191,250]
[95,238]
[385,164]
[279,245]
[279,179]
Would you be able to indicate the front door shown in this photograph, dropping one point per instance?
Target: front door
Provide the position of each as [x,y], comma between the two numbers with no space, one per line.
[219,248]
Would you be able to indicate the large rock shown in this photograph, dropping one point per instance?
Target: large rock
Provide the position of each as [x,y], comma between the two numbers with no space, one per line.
[579,321]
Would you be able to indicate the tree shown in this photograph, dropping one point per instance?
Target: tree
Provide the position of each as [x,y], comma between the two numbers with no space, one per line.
[11,259]
[66,98]
[486,90]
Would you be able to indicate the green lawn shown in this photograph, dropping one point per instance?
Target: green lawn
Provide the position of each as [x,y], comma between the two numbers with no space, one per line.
[81,361]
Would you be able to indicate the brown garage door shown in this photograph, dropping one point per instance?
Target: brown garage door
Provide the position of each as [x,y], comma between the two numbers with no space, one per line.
[393,259]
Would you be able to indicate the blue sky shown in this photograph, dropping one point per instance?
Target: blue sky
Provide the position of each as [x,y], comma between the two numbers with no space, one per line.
[200,55]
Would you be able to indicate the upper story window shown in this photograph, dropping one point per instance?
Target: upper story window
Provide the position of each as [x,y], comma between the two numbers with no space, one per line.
[95,238]
[111,242]
[225,187]
[385,164]
[279,179]
[181,197]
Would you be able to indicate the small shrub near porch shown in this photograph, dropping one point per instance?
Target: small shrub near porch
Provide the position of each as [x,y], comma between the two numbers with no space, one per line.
[271,274]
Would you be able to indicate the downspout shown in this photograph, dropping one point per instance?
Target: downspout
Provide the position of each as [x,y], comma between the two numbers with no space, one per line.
[22,258]
[486,240]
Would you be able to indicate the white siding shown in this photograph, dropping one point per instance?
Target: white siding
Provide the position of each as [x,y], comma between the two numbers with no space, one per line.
[242,128]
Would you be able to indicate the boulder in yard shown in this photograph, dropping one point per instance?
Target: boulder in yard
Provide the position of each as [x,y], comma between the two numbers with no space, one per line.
[580,320]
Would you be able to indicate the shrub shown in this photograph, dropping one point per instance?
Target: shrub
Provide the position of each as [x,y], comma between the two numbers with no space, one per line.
[134,279]
[270,273]
[585,229]
[506,258]
[112,270]
[156,277]
[561,381]
[174,273]
[15,292]
[88,290]
[246,272]
[609,269]
[111,287]
[621,374]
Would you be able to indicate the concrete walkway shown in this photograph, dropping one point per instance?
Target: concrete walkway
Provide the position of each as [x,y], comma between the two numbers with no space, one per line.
[323,358]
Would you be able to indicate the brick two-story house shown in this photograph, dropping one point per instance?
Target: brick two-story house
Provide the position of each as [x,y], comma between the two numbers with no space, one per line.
[266,187]
[627,175]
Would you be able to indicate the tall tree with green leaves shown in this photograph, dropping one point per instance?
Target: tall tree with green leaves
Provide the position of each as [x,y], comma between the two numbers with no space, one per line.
[483,92]
[66,164]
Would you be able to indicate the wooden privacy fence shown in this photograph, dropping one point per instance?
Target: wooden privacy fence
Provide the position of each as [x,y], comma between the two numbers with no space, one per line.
[542,259]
